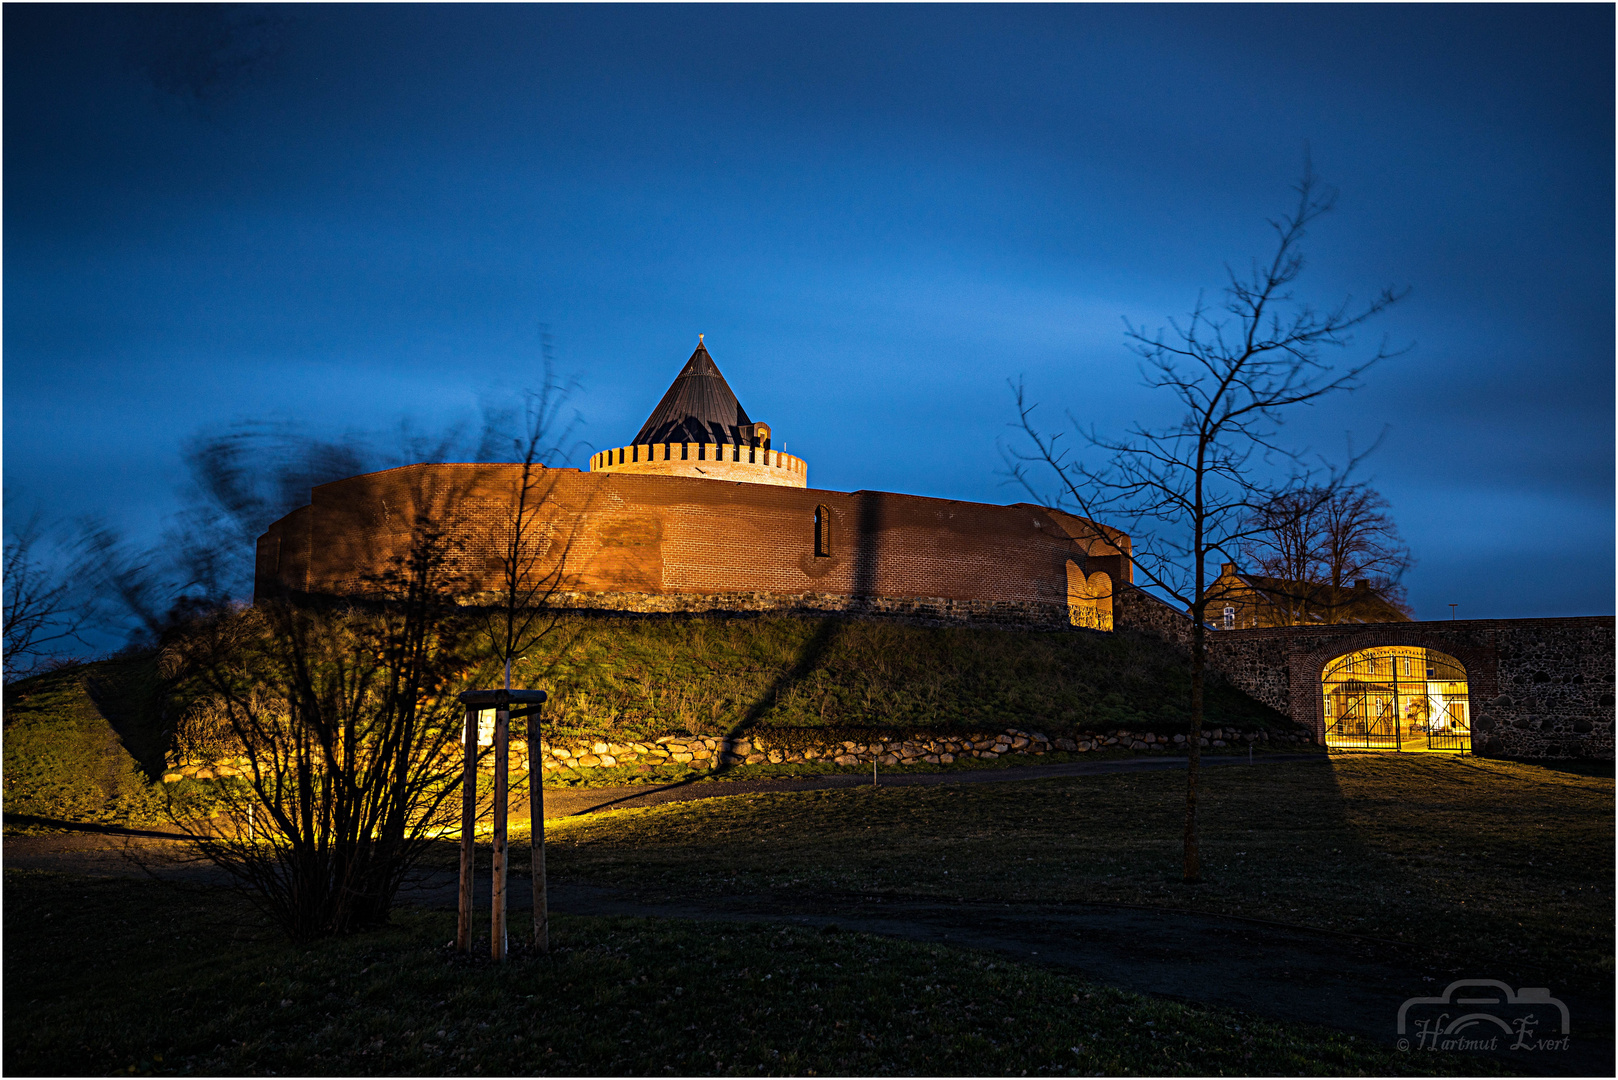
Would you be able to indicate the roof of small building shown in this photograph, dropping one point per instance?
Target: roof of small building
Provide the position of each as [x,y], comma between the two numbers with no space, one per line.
[1366,604]
[699,407]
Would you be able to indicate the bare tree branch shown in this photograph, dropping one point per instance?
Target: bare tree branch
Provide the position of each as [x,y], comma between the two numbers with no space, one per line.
[1194,491]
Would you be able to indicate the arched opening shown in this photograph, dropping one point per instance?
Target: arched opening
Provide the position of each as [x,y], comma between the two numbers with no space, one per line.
[1397,697]
[1089,599]
[822,532]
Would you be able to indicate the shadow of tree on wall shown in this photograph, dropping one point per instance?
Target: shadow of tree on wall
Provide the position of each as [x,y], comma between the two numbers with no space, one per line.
[809,659]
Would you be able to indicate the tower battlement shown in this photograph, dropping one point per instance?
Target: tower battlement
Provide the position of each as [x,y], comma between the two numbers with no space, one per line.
[710,461]
[700,430]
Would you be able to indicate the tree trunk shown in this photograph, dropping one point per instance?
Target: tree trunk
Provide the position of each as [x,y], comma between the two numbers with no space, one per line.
[1199,647]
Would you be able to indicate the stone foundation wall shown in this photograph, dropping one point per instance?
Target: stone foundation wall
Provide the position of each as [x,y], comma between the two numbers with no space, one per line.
[932,610]
[758,749]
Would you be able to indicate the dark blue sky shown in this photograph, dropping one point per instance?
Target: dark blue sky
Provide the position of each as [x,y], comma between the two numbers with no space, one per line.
[345,217]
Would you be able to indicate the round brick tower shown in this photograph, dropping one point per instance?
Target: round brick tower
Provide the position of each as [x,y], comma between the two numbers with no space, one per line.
[699,429]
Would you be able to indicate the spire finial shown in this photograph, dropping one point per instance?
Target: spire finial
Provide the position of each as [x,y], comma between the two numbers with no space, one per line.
[699,339]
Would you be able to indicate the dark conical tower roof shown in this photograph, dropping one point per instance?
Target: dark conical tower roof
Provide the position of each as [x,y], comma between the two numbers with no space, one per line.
[699,407]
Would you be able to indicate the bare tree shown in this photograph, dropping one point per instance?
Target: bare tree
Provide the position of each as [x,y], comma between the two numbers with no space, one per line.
[340,742]
[1316,545]
[45,612]
[530,555]
[330,725]
[1188,491]
[1285,546]
[1361,542]
[531,563]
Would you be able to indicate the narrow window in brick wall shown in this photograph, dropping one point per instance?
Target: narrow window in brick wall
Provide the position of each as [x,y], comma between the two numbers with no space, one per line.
[822,532]
[685,450]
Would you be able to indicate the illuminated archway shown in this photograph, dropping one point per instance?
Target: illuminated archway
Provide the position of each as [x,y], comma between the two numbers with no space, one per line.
[1089,600]
[1397,697]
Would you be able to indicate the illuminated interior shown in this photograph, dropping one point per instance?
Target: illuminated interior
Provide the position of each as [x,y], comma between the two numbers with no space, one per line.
[1398,697]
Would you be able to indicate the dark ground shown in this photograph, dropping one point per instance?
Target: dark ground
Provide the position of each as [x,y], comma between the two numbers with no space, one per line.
[1284,972]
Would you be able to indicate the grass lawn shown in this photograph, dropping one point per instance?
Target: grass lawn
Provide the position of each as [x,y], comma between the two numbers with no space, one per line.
[1491,862]
[136,977]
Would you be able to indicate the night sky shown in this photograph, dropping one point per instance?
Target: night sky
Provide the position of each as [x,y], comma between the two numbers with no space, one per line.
[350,219]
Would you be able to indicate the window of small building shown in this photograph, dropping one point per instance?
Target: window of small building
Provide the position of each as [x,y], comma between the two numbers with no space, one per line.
[1230,618]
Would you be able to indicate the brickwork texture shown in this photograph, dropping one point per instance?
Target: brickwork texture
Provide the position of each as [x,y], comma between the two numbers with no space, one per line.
[627,542]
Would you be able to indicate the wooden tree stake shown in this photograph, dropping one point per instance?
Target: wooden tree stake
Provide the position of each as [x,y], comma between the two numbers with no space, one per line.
[502,757]
[469,820]
[536,834]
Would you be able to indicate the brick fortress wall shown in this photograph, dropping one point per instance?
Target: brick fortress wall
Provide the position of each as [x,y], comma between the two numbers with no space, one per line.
[626,542]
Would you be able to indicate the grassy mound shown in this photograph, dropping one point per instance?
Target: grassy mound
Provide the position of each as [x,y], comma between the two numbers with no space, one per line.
[629,678]
[85,743]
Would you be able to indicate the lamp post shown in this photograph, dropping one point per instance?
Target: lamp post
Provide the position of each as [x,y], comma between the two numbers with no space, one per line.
[530,703]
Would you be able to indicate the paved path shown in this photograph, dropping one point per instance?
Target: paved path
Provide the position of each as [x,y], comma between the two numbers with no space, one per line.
[568,801]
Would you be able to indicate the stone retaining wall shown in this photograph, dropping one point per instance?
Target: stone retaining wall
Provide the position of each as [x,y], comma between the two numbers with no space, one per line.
[918,749]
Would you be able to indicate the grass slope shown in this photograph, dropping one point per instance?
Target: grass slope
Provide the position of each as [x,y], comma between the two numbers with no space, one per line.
[627,678]
[84,743]
[131,977]
[81,744]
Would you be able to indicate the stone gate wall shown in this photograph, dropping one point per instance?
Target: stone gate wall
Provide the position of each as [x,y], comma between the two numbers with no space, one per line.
[1539,688]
